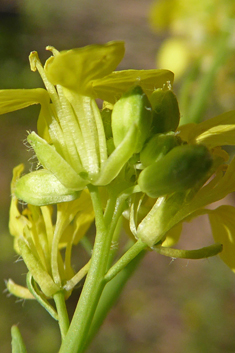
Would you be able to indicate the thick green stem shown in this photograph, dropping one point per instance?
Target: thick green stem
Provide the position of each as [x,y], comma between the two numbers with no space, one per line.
[62,313]
[94,284]
[110,295]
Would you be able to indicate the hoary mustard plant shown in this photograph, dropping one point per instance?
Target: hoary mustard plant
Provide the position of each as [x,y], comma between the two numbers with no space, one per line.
[128,163]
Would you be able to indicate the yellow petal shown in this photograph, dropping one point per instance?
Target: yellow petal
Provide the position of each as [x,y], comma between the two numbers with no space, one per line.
[217,131]
[222,222]
[172,236]
[15,99]
[17,221]
[81,212]
[111,87]
[76,68]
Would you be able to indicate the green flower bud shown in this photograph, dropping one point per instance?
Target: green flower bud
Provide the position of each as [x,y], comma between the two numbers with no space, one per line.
[157,147]
[179,170]
[43,188]
[166,113]
[132,108]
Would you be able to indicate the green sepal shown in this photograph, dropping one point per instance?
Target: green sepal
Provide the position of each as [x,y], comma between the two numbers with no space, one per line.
[154,226]
[55,163]
[42,188]
[182,168]
[166,114]
[157,147]
[118,158]
[17,343]
[32,287]
[18,291]
[44,280]
[132,107]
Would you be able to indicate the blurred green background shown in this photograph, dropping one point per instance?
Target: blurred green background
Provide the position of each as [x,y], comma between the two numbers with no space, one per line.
[168,306]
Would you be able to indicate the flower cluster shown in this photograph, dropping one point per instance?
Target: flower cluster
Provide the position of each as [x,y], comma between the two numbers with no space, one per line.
[131,147]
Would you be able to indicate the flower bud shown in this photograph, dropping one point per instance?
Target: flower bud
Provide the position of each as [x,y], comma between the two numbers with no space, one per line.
[157,147]
[179,170]
[166,113]
[42,188]
[132,108]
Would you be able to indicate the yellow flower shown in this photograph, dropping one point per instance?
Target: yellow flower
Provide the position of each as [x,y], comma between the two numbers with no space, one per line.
[71,142]
[39,240]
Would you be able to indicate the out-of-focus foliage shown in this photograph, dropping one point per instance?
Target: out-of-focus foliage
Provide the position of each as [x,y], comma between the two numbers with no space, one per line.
[200,46]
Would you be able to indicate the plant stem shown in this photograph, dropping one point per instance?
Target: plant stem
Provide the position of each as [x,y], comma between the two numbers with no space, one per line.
[110,295]
[62,313]
[138,247]
[94,284]
[71,283]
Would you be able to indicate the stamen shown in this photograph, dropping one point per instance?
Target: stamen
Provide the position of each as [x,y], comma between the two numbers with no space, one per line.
[52,49]
[35,64]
